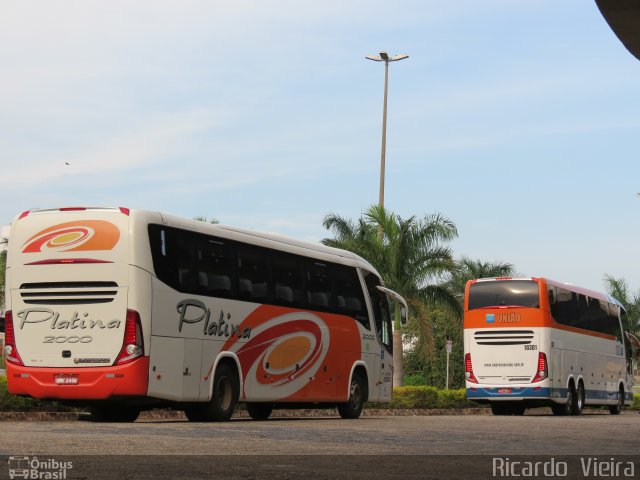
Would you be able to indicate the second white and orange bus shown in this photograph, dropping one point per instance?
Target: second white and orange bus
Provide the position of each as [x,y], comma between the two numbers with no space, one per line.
[533,342]
[124,310]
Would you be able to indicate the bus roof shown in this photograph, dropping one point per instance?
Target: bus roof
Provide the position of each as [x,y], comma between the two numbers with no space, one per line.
[567,286]
[250,236]
[263,237]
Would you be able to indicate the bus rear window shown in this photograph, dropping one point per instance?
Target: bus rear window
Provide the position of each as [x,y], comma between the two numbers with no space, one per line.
[520,293]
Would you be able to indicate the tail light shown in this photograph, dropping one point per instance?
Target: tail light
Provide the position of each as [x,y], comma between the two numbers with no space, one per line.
[132,345]
[543,370]
[10,351]
[468,369]
[66,261]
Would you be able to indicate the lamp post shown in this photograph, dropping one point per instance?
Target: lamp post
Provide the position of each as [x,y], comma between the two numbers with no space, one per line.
[384,57]
[398,371]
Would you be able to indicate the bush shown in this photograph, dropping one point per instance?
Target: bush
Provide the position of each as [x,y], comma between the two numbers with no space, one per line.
[415,380]
[414,397]
[455,399]
[636,402]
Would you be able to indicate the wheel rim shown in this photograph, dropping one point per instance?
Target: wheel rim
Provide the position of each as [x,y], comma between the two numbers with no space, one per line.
[356,394]
[580,399]
[224,393]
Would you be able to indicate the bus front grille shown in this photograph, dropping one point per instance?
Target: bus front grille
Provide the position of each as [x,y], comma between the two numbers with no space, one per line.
[503,337]
[68,293]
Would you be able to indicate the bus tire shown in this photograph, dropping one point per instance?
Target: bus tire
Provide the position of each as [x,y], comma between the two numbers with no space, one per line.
[578,401]
[568,406]
[259,411]
[617,408]
[114,413]
[357,398]
[226,390]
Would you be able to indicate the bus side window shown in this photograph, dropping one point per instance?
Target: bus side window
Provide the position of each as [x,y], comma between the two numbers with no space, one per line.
[286,276]
[252,273]
[565,310]
[173,256]
[215,267]
[318,284]
[348,294]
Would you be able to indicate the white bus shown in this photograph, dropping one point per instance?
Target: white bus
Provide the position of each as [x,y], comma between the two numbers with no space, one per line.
[126,310]
[532,342]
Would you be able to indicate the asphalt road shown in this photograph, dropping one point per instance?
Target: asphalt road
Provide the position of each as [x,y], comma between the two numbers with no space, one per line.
[370,447]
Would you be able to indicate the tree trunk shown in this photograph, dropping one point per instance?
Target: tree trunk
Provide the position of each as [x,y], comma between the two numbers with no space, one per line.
[398,368]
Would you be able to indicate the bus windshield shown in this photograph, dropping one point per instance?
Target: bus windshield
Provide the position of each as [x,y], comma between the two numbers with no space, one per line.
[520,293]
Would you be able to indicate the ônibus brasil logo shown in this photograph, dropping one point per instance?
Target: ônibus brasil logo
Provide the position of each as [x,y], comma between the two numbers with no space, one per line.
[34,468]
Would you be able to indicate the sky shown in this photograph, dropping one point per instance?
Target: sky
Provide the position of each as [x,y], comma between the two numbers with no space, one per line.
[516,120]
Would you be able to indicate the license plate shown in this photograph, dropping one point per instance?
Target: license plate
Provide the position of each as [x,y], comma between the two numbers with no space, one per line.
[66,379]
[503,391]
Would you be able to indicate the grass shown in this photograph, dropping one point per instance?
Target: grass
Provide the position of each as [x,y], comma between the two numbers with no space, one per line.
[14,403]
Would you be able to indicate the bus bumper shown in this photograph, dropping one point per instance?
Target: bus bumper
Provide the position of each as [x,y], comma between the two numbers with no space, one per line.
[508,393]
[93,383]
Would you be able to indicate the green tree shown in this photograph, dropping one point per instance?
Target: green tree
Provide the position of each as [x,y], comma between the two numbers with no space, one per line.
[427,358]
[619,289]
[410,254]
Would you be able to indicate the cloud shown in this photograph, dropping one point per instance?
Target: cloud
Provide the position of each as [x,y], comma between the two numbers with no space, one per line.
[161,137]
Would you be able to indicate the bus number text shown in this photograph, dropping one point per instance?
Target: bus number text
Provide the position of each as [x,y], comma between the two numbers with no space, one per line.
[65,339]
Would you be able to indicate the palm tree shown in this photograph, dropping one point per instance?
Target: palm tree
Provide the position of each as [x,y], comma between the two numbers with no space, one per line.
[619,289]
[410,255]
[470,269]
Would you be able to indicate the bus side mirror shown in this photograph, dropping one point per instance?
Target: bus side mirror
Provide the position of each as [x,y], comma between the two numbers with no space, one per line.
[396,297]
[635,344]
[404,315]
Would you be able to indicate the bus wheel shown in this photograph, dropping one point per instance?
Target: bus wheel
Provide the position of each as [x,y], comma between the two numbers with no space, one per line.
[578,401]
[226,389]
[259,411]
[567,408]
[114,413]
[617,408]
[357,398]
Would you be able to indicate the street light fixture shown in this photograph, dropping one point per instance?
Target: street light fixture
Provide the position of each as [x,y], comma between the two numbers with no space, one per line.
[384,57]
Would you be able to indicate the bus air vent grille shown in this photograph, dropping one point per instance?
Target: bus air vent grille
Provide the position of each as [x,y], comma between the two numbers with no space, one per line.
[503,337]
[68,293]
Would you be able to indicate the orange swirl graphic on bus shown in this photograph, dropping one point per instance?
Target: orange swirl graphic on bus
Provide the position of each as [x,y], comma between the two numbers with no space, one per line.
[282,354]
[74,236]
